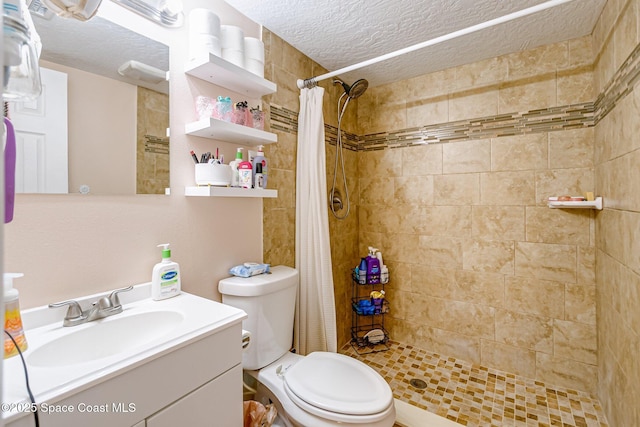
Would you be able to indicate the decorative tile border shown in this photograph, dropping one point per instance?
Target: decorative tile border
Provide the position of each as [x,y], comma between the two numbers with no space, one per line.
[566,117]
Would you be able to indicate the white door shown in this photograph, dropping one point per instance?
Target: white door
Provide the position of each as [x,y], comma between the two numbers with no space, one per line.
[41,137]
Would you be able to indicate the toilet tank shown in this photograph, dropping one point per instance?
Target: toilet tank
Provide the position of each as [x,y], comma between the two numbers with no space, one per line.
[269,301]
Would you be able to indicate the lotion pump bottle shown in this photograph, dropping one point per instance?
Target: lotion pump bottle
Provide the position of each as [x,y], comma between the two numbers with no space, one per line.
[12,319]
[165,279]
[234,167]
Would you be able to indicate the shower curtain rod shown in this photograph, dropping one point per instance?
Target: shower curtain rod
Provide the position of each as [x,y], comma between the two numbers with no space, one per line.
[313,81]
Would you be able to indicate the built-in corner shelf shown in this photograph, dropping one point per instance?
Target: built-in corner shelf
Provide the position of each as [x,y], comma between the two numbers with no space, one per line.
[230,132]
[211,191]
[595,204]
[218,71]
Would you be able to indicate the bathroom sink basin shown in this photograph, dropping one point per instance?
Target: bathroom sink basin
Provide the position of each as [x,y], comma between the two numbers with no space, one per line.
[105,338]
[63,361]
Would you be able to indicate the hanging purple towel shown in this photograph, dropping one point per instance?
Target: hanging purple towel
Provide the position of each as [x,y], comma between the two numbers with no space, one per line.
[9,171]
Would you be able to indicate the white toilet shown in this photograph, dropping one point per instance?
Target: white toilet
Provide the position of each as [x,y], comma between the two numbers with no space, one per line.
[321,389]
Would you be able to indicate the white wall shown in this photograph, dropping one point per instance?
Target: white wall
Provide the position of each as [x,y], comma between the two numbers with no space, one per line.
[75,245]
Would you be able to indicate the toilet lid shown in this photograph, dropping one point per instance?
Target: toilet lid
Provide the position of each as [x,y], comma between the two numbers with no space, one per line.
[337,383]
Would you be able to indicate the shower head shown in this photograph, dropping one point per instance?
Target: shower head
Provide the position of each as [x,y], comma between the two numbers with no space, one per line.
[356,89]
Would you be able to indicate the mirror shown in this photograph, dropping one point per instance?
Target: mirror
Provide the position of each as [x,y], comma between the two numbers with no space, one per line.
[116,124]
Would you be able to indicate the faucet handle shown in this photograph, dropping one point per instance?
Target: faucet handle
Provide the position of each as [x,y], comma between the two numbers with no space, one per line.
[74,311]
[114,295]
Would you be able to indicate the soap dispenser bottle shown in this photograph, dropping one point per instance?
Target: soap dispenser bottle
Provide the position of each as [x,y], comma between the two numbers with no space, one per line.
[373,267]
[165,279]
[234,167]
[12,319]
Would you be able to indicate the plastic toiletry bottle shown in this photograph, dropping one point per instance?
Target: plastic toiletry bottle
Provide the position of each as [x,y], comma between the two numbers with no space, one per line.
[384,271]
[373,267]
[165,279]
[362,272]
[260,159]
[259,178]
[234,168]
[12,319]
[245,175]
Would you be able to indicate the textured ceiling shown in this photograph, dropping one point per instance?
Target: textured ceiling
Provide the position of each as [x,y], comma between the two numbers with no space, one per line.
[99,46]
[337,34]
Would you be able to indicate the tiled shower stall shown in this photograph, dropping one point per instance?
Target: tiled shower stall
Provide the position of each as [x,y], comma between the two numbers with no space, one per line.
[449,174]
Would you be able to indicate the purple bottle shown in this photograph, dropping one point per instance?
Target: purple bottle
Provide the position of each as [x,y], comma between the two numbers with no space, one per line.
[373,267]
[9,171]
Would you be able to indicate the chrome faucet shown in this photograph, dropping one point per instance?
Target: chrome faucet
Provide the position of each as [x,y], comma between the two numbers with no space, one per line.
[103,307]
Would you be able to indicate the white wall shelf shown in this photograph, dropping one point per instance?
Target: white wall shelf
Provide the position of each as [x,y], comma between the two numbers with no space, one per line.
[595,204]
[210,191]
[230,132]
[223,73]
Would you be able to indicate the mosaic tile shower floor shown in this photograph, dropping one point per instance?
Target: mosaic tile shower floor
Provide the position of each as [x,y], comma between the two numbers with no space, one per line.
[473,395]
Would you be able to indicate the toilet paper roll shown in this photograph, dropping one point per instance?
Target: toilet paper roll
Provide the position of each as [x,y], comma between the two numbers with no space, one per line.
[232,37]
[202,44]
[246,339]
[254,66]
[253,49]
[204,21]
[233,56]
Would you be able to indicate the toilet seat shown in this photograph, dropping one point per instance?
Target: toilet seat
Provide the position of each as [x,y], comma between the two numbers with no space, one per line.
[338,388]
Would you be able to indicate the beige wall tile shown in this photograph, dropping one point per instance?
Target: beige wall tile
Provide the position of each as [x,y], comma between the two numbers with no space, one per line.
[518,360]
[413,189]
[625,37]
[488,256]
[524,330]
[507,188]
[449,342]
[466,156]
[469,319]
[564,226]
[452,221]
[422,160]
[546,261]
[427,112]
[575,86]
[456,189]
[527,96]
[473,103]
[481,73]
[575,341]
[587,265]
[377,190]
[571,149]
[618,234]
[439,251]
[580,51]
[498,222]
[431,85]
[538,297]
[580,303]
[542,60]
[381,163]
[558,182]
[521,152]
[566,373]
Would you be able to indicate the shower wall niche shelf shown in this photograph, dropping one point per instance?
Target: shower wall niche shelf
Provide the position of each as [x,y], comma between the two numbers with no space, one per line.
[210,191]
[230,132]
[595,204]
[218,71]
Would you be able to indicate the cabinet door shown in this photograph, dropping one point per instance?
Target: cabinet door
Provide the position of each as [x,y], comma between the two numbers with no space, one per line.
[218,402]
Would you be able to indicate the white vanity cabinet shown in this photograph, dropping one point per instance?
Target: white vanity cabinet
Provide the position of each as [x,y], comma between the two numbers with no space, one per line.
[194,381]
